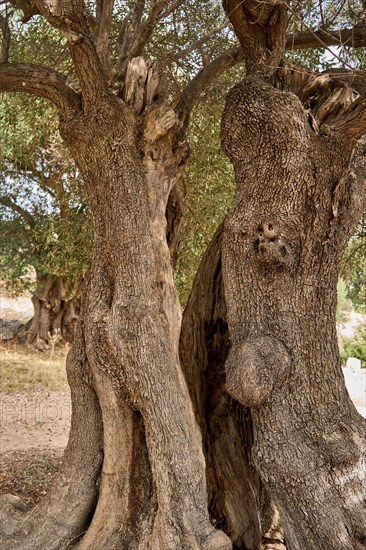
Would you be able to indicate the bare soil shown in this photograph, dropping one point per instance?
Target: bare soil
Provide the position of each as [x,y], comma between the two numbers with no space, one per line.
[34,419]
[29,473]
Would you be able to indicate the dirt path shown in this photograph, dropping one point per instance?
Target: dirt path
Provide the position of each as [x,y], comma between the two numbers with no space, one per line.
[34,420]
[34,430]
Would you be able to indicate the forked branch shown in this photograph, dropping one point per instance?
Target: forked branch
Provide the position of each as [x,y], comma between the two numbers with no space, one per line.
[70,19]
[260,28]
[145,30]
[355,36]
[134,34]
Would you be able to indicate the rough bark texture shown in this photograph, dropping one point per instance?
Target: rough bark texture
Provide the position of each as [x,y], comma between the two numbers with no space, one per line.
[233,485]
[131,336]
[296,206]
[152,487]
[238,502]
[261,29]
[134,473]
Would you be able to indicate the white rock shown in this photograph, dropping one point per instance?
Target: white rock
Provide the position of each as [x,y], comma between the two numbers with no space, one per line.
[353,363]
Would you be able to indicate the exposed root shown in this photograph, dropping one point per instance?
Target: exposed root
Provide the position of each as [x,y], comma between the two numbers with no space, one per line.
[12,511]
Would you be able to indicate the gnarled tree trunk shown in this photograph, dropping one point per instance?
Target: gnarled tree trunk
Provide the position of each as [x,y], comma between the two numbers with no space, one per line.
[134,473]
[56,311]
[238,502]
[152,486]
[296,206]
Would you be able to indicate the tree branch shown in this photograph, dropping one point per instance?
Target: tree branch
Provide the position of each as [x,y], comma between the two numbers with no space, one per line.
[102,35]
[10,203]
[5,39]
[27,7]
[140,33]
[70,19]
[198,43]
[45,82]
[144,31]
[127,33]
[170,9]
[312,40]
[137,35]
[354,37]
[235,55]
[204,78]
[260,28]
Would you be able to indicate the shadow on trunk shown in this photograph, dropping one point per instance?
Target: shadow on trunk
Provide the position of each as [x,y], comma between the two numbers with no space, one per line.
[238,503]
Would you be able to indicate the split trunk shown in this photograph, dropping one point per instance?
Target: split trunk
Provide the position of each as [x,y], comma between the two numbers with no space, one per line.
[134,474]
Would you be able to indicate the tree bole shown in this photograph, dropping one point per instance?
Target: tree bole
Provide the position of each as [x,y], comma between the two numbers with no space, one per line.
[56,311]
[282,244]
[131,335]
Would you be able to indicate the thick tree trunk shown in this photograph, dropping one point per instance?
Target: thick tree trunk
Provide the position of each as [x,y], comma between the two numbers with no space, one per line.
[152,487]
[238,502]
[296,205]
[56,311]
[131,334]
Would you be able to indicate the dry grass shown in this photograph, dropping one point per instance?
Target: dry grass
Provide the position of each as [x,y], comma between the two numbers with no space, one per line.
[28,472]
[26,369]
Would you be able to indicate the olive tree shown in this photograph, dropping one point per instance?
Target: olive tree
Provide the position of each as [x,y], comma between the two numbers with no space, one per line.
[159,454]
[300,170]
[44,231]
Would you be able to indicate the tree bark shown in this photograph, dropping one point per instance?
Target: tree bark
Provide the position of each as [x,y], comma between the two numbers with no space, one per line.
[238,502]
[131,334]
[152,491]
[296,206]
[134,473]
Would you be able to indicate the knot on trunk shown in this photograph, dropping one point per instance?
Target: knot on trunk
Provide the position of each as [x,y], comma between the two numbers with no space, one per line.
[271,248]
[254,367]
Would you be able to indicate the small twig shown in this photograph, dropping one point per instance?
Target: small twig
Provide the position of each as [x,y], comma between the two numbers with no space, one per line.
[53,339]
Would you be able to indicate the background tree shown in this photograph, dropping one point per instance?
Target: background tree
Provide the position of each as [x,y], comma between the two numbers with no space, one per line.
[354,269]
[138,479]
[44,225]
[208,184]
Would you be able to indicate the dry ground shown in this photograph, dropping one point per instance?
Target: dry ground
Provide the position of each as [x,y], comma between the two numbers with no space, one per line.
[34,419]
